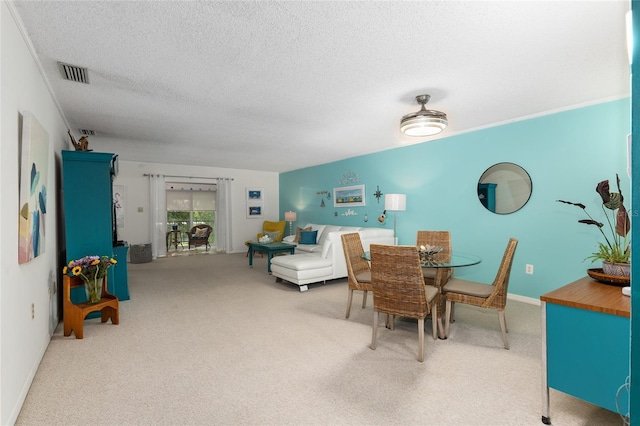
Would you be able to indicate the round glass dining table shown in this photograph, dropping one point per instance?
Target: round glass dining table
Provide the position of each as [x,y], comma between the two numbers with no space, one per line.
[457,260]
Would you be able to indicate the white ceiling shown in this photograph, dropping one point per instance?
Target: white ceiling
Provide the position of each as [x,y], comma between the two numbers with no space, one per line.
[280,85]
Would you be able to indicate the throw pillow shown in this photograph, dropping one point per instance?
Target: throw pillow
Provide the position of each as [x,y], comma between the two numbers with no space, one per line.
[308,237]
[298,230]
[200,232]
[272,235]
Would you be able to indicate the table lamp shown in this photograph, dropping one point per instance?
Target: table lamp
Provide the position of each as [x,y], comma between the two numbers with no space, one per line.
[290,217]
[395,203]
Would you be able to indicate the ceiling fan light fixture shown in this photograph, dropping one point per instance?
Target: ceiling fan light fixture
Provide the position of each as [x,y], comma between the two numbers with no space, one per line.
[424,122]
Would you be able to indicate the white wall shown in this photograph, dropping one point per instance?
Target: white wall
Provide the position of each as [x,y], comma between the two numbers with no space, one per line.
[136,190]
[23,340]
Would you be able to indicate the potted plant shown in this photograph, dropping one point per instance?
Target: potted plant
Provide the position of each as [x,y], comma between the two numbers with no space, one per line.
[615,252]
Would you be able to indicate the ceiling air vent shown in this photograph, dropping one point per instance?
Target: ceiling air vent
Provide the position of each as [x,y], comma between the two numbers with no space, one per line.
[74,73]
[86,132]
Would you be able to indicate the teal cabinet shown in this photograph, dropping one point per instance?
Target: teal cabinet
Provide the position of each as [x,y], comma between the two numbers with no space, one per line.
[120,281]
[487,195]
[586,344]
[87,180]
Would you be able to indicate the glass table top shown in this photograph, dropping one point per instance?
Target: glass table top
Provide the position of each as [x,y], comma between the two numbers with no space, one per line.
[458,259]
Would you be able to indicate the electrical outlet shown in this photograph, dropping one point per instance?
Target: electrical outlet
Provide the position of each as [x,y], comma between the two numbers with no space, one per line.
[528,269]
[33,310]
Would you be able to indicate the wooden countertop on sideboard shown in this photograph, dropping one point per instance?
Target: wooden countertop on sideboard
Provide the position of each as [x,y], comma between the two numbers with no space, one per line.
[588,294]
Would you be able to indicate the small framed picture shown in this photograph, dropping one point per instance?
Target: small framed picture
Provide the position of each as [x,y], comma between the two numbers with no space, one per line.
[254,211]
[255,195]
[349,196]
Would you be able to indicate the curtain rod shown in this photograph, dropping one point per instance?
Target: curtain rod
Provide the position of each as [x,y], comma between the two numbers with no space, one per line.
[189,177]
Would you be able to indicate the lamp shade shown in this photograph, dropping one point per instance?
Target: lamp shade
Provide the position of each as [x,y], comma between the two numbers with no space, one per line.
[395,202]
[290,216]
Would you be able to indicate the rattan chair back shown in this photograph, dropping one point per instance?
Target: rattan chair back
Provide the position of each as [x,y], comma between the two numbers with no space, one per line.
[356,263]
[498,299]
[438,239]
[398,284]
[358,270]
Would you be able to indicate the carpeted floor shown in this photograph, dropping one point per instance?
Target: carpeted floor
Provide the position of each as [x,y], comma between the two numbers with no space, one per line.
[205,340]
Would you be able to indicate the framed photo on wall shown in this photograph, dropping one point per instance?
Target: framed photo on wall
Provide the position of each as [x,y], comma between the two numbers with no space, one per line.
[349,196]
[255,195]
[254,211]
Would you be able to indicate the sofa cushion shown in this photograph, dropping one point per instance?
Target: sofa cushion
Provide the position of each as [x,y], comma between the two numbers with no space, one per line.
[308,237]
[301,262]
[348,229]
[308,248]
[325,233]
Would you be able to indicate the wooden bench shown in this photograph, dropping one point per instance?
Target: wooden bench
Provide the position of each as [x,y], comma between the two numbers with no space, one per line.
[75,313]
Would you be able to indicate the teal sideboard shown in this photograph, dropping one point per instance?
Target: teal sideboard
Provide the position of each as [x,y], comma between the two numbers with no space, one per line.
[87,180]
[586,344]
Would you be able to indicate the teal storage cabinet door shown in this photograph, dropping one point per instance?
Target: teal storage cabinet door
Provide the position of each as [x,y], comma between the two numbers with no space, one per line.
[588,354]
[87,186]
[120,283]
[88,208]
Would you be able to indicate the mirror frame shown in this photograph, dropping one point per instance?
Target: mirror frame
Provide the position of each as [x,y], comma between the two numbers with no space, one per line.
[486,190]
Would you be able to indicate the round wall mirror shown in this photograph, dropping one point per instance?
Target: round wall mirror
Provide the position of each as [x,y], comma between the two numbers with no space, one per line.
[504,188]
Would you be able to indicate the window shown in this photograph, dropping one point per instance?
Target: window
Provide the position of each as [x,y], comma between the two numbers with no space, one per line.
[189,205]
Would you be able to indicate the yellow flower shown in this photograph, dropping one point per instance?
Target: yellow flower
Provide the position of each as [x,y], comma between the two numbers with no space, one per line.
[64,270]
[95,262]
[112,260]
[76,270]
[71,263]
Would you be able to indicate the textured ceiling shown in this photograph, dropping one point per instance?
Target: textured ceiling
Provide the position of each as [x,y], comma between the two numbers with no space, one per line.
[280,85]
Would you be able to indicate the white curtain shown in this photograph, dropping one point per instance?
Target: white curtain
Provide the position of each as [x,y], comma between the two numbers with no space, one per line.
[158,207]
[223,216]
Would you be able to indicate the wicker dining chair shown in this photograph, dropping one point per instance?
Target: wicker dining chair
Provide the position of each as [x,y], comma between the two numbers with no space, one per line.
[399,289]
[490,296]
[438,239]
[358,270]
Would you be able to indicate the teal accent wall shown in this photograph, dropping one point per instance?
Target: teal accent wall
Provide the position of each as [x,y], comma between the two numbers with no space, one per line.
[566,154]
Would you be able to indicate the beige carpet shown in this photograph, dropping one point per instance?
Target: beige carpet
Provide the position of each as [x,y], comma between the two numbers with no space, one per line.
[205,340]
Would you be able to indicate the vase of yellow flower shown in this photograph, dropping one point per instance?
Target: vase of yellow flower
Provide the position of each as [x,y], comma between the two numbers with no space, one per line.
[92,270]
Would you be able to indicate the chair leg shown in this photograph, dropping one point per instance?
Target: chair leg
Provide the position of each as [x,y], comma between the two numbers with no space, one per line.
[374,333]
[390,321]
[421,340]
[364,299]
[503,326]
[448,318]
[453,311]
[349,298]
[435,321]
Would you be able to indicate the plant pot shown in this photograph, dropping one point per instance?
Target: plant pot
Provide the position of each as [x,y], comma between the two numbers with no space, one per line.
[616,269]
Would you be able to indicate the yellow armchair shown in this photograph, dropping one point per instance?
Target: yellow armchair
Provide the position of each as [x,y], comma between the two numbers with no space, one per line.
[270,227]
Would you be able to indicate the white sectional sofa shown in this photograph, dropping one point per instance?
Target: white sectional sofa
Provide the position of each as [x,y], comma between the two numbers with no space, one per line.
[324,260]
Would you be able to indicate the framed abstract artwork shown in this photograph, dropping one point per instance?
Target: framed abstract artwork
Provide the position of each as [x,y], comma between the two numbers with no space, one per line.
[34,171]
